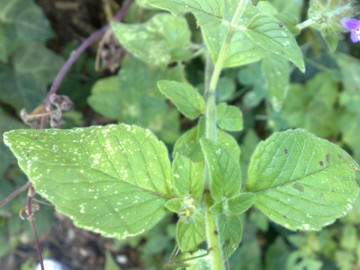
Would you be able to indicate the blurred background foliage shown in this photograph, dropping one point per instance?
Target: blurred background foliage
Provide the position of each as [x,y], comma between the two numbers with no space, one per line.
[37,35]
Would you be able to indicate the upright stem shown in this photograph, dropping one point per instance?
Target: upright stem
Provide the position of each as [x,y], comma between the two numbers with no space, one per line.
[212,232]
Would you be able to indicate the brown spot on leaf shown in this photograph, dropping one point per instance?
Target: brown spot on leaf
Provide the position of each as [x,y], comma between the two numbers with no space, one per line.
[321,163]
[216,232]
[286,151]
[327,158]
[340,156]
[321,195]
[298,187]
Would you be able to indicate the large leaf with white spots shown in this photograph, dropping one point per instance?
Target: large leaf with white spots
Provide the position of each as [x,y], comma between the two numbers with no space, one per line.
[302,181]
[113,180]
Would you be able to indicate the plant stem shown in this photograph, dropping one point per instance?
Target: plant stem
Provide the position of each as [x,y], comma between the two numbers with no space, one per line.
[305,24]
[212,231]
[15,193]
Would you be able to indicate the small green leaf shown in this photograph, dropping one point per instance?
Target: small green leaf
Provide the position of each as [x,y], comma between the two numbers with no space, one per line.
[251,76]
[235,205]
[6,123]
[190,232]
[186,98]
[241,50]
[210,11]
[276,73]
[174,205]
[190,228]
[349,69]
[189,146]
[226,88]
[272,35]
[161,40]
[187,176]
[113,180]
[301,181]
[241,203]
[132,101]
[350,129]
[230,118]
[225,173]
[349,238]
[21,23]
[230,230]
[23,84]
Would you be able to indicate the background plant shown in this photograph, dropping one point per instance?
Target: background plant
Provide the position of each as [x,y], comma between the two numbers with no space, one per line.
[257,38]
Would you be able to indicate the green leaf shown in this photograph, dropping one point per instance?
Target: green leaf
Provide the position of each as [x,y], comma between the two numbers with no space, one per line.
[235,205]
[190,230]
[349,239]
[301,260]
[230,118]
[189,146]
[6,123]
[241,50]
[113,180]
[277,255]
[186,98]
[161,40]
[24,84]
[206,12]
[301,181]
[225,173]
[273,36]
[187,176]
[350,129]
[226,88]
[311,106]
[132,101]
[21,23]
[251,76]
[241,203]
[350,70]
[276,73]
[230,230]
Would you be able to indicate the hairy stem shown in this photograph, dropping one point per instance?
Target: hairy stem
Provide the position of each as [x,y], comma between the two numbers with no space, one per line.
[301,26]
[212,233]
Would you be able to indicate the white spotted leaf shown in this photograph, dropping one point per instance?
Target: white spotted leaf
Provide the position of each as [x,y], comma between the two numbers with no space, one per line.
[205,11]
[225,172]
[272,35]
[301,181]
[158,42]
[113,180]
[187,176]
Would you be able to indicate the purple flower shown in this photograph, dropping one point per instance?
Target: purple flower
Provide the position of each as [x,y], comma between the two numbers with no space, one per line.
[353,25]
